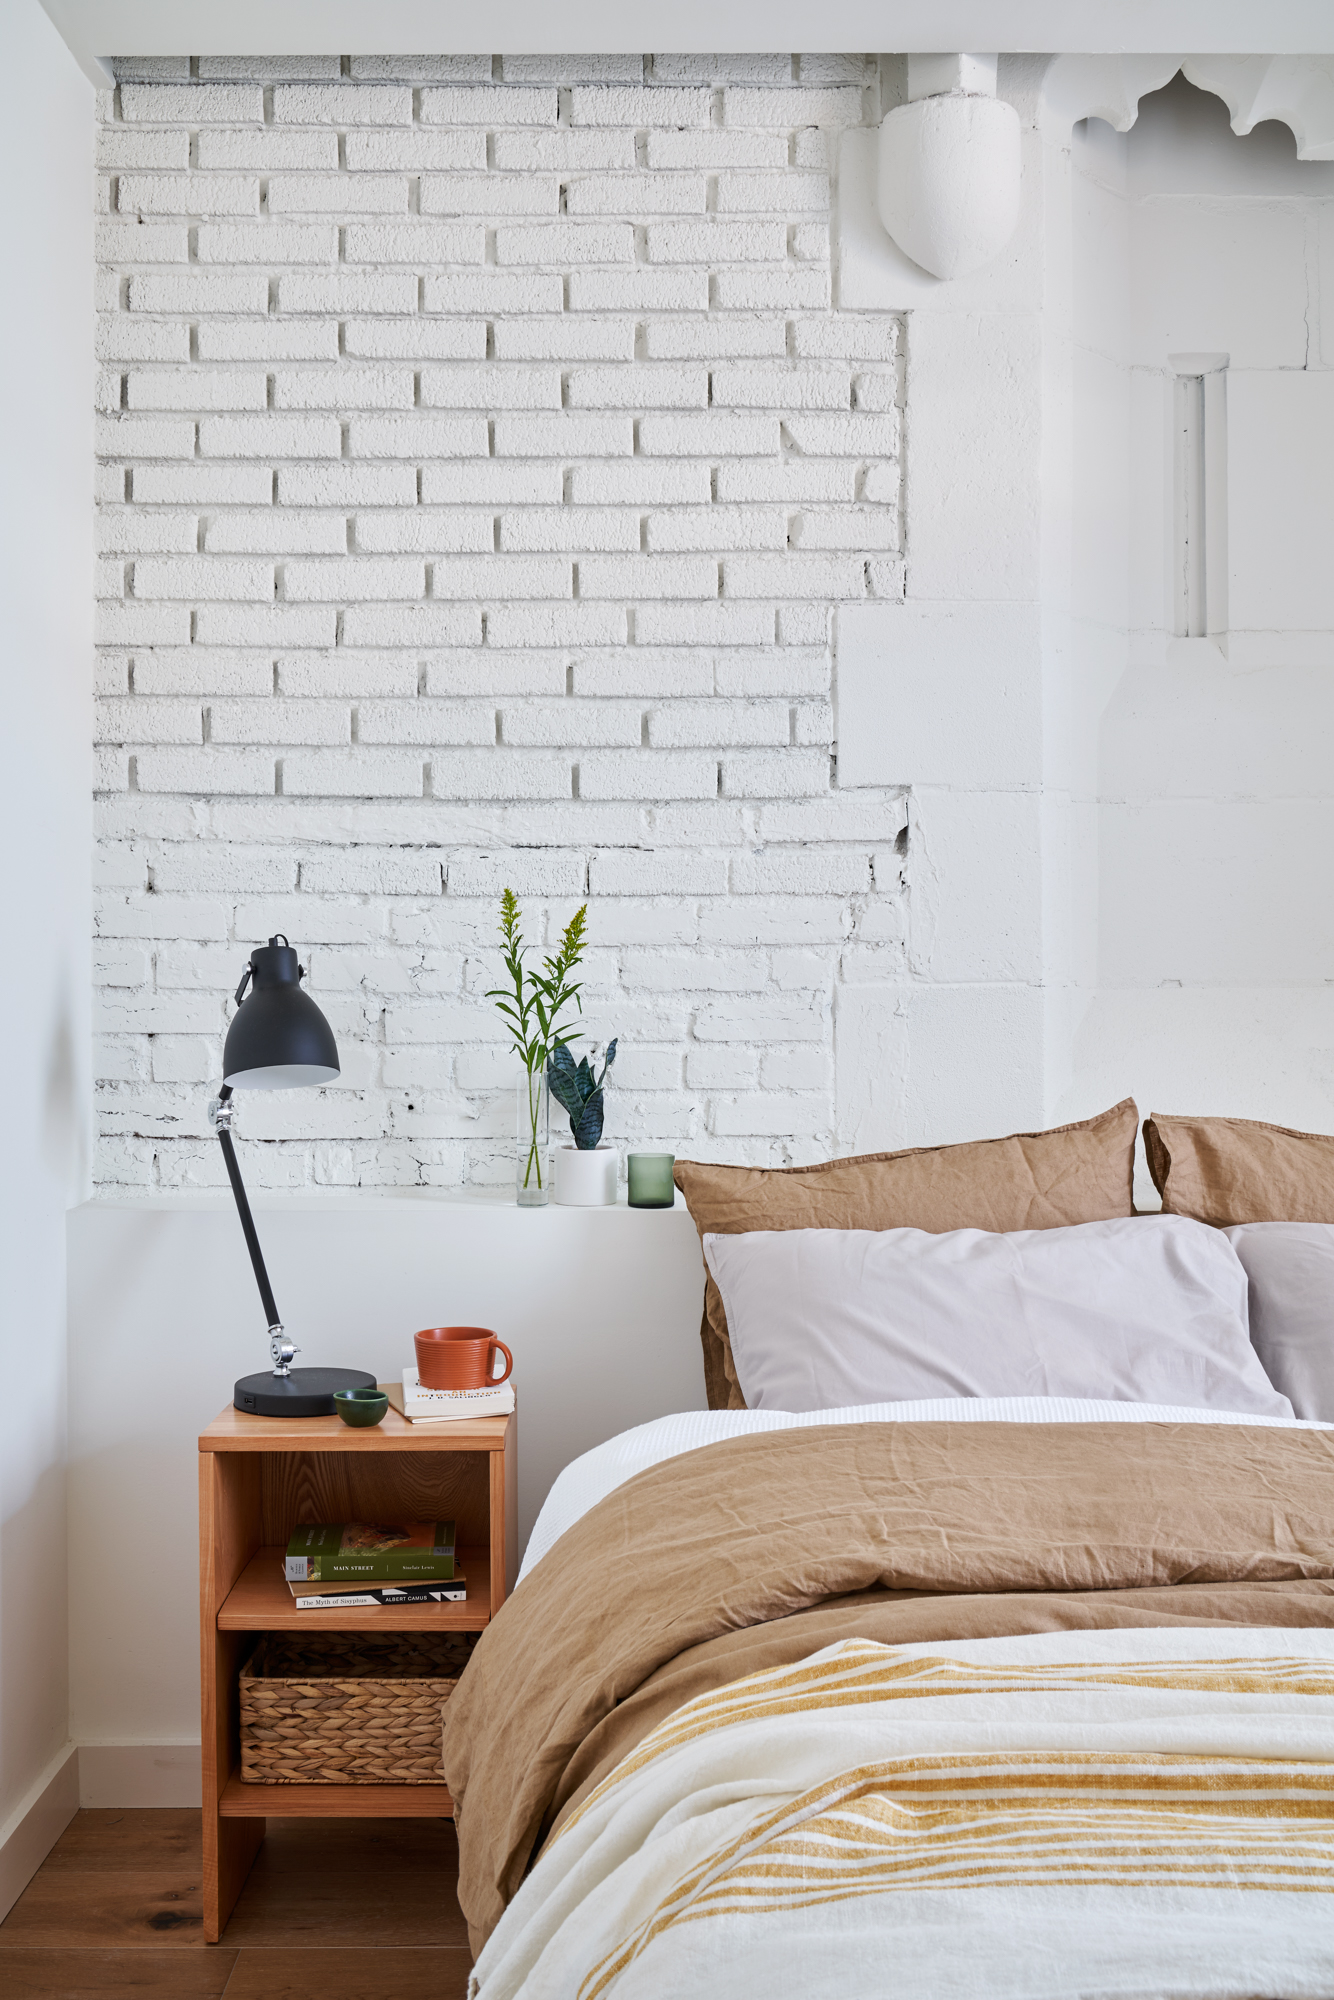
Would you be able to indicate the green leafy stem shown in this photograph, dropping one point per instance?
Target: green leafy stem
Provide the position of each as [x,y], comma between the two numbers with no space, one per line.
[532,1005]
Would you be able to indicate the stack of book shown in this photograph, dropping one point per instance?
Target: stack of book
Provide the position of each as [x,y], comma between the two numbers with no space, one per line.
[331,1566]
[447,1406]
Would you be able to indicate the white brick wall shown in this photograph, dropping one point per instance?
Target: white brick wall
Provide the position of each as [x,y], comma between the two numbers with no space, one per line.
[481,464]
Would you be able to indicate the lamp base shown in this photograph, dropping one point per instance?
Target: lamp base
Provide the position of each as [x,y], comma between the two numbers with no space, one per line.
[306,1392]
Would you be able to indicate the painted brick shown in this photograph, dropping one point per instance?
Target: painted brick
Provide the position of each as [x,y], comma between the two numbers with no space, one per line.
[487,105]
[454,531]
[638,387]
[789,108]
[415,152]
[490,292]
[639,107]
[484,194]
[192,389]
[468,674]
[575,528]
[120,338]
[710,435]
[637,195]
[413,243]
[344,485]
[411,625]
[203,577]
[351,774]
[767,194]
[639,484]
[691,724]
[770,290]
[266,340]
[716,242]
[339,104]
[267,625]
[491,388]
[125,242]
[417,437]
[487,481]
[781,388]
[121,150]
[846,337]
[563,152]
[420,340]
[193,104]
[426,722]
[345,292]
[641,577]
[261,243]
[337,194]
[270,437]
[717,528]
[343,389]
[563,436]
[268,150]
[422,69]
[565,723]
[187,194]
[714,339]
[638,291]
[198,292]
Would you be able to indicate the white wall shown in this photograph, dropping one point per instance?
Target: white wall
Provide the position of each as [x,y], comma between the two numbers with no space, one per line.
[481,464]
[45,835]
[1207,878]
[600,1307]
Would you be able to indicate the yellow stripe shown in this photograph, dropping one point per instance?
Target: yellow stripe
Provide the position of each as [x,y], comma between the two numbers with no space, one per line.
[864,1672]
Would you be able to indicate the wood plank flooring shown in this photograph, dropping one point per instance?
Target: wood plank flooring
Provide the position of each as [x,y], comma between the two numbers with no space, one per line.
[332,1910]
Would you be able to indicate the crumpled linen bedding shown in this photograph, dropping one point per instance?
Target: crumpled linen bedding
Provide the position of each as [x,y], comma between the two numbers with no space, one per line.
[762,1550]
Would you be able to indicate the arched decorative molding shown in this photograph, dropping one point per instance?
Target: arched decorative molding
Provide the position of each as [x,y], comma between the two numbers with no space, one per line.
[1299,90]
[948,181]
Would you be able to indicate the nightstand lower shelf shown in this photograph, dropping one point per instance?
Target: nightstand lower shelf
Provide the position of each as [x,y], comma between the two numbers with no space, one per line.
[242,1801]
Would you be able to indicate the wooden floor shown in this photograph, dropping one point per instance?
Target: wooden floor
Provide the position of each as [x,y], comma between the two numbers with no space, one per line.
[333,1910]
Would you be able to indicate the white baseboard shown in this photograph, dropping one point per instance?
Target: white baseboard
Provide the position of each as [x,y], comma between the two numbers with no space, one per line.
[36,1824]
[139,1774]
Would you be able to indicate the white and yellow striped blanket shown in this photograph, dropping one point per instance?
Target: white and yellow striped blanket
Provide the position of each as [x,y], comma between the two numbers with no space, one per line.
[1068,1814]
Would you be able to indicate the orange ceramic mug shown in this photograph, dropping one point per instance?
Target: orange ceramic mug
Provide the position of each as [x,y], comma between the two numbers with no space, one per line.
[459,1357]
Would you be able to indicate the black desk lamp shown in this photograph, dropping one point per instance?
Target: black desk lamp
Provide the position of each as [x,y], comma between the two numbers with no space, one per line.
[278,1040]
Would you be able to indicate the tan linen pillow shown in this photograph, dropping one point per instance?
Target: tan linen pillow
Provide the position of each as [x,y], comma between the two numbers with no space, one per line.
[1233,1170]
[1032,1180]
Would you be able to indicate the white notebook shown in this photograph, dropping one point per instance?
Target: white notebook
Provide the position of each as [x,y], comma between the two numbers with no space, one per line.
[445,1406]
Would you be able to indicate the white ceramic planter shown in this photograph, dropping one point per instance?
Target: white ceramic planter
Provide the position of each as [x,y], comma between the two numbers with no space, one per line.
[585,1180]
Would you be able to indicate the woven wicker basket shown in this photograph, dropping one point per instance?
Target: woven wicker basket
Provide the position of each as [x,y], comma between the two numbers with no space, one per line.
[347,1708]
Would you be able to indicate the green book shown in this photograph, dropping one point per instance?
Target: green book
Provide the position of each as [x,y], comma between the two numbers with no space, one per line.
[371,1552]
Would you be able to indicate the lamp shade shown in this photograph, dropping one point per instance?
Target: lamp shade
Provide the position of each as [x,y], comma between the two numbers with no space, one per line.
[278,1039]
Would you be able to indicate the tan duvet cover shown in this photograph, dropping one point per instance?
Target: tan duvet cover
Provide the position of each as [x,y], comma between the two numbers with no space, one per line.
[761,1550]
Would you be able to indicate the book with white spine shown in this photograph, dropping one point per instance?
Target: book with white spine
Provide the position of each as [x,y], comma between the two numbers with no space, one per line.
[447,1406]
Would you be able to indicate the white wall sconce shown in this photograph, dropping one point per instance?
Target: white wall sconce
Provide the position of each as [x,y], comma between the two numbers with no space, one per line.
[948,181]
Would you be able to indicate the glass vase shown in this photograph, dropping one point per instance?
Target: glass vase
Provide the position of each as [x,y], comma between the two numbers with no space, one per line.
[532,1159]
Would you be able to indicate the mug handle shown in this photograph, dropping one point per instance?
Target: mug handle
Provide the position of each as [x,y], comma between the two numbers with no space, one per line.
[494,1381]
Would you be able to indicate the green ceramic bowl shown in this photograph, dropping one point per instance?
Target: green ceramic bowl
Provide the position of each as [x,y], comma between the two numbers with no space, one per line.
[360,1407]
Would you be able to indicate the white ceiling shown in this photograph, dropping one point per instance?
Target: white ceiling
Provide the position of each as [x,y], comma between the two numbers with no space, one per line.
[100,28]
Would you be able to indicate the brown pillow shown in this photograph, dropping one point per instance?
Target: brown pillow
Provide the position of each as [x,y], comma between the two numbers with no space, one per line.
[1033,1180]
[1233,1170]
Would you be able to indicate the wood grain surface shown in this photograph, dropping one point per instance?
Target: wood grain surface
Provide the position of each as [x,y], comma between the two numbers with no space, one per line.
[331,1910]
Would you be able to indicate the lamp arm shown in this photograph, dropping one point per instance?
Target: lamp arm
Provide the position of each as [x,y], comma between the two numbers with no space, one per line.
[221,1113]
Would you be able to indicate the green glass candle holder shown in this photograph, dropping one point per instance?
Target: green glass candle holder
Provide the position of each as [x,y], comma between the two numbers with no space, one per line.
[651,1183]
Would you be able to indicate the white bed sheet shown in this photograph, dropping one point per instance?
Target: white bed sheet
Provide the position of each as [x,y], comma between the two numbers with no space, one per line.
[599,1472]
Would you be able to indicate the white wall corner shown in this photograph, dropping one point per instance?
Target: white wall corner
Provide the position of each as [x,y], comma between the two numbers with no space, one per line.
[140,1774]
[36,1824]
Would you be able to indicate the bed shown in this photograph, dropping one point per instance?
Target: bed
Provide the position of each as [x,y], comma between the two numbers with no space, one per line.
[978,1695]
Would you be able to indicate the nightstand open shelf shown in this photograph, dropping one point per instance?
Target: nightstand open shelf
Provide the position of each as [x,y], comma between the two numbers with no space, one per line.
[260,1601]
[261,1477]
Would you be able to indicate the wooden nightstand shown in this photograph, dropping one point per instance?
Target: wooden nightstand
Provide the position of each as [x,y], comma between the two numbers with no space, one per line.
[260,1477]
